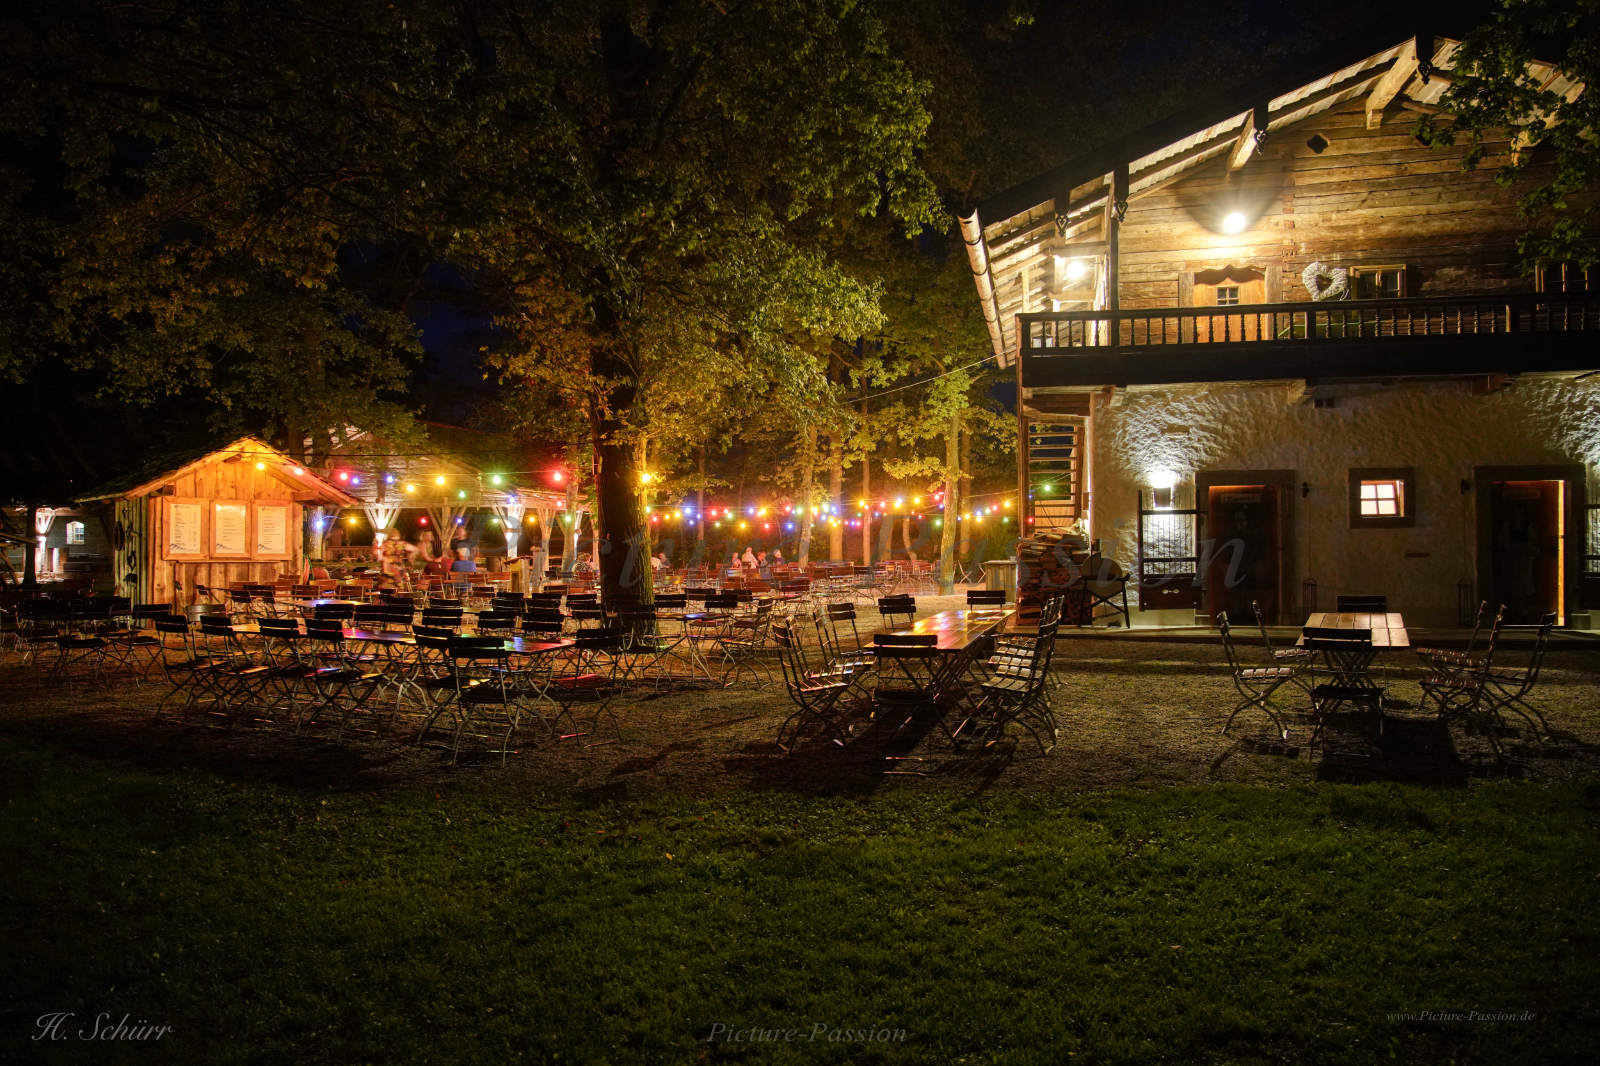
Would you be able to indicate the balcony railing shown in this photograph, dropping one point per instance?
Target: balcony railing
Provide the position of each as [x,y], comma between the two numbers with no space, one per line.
[1075,347]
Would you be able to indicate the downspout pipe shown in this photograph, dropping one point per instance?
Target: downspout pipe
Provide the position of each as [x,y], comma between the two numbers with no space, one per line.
[978,256]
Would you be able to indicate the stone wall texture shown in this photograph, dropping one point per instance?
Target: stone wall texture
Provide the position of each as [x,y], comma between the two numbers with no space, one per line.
[1443,430]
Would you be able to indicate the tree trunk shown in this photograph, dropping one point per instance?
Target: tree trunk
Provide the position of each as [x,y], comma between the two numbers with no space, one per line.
[836,494]
[700,514]
[618,515]
[905,536]
[866,496]
[644,572]
[952,500]
[808,495]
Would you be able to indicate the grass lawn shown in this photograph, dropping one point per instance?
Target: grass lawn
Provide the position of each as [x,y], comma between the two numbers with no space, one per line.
[1229,923]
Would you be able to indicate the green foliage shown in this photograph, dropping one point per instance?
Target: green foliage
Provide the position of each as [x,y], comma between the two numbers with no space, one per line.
[1495,96]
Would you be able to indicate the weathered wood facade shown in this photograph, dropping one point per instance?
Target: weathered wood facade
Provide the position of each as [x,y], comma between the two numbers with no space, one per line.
[233,515]
[1153,300]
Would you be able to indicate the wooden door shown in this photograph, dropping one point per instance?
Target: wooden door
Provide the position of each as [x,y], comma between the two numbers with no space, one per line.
[1525,548]
[1229,287]
[1240,551]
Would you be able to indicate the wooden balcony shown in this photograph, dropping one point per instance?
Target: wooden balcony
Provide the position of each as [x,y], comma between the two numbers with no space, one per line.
[1351,339]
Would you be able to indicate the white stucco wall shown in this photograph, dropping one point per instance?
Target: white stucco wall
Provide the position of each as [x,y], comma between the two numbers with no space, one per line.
[1440,429]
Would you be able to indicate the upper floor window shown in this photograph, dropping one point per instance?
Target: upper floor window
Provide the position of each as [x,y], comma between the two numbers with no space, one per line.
[1378,282]
[75,533]
[1382,497]
[1227,295]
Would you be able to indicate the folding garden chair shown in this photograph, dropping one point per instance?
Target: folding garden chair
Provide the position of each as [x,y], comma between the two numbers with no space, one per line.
[343,681]
[233,677]
[1507,690]
[1015,693]
[587,675]
[1455,660]
[487,702]
[1255,684]
[743,645]
[1296,657]
[908,673]
[816,699]
[433,673]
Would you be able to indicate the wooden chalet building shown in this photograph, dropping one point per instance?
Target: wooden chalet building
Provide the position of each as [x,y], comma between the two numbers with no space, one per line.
[1192,388]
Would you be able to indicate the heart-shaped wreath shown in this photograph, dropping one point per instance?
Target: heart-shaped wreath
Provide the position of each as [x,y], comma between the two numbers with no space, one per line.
[1324,282]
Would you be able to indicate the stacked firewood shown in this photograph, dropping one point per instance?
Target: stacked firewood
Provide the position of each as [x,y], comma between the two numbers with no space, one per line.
[1051,565]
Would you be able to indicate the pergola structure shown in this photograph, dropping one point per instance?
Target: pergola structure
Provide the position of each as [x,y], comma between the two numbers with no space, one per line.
[457,474]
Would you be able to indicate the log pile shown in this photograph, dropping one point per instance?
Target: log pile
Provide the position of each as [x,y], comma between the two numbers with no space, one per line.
[1059,565]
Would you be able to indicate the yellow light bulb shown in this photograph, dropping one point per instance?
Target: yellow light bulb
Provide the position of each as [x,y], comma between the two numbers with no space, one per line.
[439,480]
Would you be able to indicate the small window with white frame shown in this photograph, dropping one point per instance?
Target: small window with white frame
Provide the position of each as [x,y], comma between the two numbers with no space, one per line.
[1382,498]
[1386,282]
[1227,296]
[75,534]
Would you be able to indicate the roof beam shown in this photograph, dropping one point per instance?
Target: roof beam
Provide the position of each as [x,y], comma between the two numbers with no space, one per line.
[1252,135]
[1389,86]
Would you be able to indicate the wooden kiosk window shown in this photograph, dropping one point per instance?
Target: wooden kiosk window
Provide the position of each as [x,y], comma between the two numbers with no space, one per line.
[270,529]
[183,524]
[230,528]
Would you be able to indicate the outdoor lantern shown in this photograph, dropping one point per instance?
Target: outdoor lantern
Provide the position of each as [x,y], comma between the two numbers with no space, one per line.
[411,488]
[1234,222]
[260,465]
[299,470]
[439,480]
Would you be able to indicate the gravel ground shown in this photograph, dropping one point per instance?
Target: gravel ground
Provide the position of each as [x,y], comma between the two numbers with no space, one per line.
[1132,713]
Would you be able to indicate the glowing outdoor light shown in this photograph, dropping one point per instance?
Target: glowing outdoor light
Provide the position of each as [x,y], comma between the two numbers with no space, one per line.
[351,520]
[411,488]
[299,470]
[557,476]
[1235,222]
[439,480]
[355,479]
[260,465]
[461,495]
[495,479]
[422,521]
[344,475]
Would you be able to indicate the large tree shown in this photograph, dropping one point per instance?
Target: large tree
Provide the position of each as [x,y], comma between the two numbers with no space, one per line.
[656,207]
[1498,92]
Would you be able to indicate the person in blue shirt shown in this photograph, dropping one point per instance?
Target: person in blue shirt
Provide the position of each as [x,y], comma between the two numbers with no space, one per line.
[464,563]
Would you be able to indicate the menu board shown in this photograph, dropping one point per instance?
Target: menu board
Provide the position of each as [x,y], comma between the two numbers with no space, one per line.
[230,528]
[185,533]
[272,530]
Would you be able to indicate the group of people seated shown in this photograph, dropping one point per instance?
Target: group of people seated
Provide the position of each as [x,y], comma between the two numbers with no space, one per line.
[398,557]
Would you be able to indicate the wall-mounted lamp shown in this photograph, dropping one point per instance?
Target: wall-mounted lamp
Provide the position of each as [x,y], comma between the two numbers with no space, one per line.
[1161,498]
[1305,489]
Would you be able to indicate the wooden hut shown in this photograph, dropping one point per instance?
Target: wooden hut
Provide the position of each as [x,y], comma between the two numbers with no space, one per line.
[236,514]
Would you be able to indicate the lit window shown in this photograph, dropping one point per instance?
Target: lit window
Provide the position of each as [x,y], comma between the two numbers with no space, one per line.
[75,533]
[1382,497]
[1227,295]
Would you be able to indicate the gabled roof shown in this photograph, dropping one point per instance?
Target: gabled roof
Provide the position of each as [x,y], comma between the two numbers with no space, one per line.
[245,449]
[1021,226]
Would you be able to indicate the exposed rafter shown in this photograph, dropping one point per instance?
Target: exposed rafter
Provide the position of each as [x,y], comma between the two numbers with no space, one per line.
[1389,86]
[1252,135]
